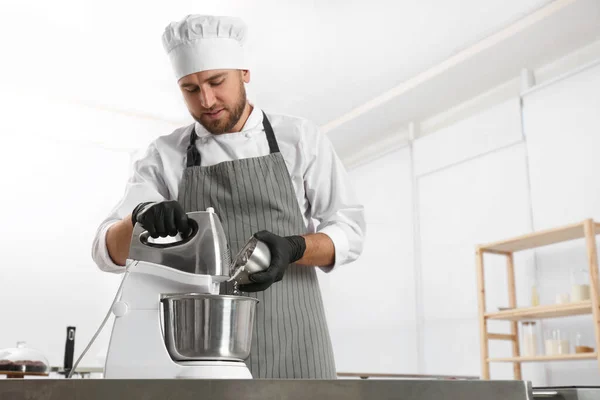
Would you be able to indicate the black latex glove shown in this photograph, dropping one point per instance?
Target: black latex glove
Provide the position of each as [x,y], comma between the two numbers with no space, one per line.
[284,251]
[163,219]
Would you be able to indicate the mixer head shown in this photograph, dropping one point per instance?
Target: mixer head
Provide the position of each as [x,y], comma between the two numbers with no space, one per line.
[204,251]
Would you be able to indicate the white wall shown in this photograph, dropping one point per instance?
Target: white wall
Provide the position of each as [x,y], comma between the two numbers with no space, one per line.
[562,126]
[57,194]
[502,172]
[473,202]
[371,303]
[61,177]
[472,189]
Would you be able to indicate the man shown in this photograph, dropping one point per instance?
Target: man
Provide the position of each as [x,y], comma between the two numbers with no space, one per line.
[271,177]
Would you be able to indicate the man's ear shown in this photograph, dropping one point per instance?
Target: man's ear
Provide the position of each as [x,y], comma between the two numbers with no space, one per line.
[246,75]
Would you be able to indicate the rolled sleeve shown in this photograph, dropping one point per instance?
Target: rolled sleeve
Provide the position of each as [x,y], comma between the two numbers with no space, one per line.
[145,184]
[333,202]
[340,243]
[100,253]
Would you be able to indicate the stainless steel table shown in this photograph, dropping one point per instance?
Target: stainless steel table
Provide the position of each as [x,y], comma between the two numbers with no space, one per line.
[567,393]
[372,389]
[367,375]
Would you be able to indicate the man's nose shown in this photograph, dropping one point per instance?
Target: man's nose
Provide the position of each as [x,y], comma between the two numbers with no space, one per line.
[207,97]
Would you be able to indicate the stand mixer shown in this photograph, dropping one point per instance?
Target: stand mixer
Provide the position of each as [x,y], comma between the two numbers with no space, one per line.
[171,321]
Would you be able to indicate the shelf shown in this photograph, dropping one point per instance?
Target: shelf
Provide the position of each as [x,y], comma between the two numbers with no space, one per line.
[539,312]
[565,357]
[539,239]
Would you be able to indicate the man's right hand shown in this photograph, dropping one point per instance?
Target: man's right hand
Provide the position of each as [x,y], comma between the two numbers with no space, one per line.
[163,219]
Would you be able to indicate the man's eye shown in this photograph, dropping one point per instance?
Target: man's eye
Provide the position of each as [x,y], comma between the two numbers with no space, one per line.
[192,90]
[217,83]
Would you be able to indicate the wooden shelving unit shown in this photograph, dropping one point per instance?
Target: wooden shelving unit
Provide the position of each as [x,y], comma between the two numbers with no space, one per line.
[565,357]
[587,229]
[548,311]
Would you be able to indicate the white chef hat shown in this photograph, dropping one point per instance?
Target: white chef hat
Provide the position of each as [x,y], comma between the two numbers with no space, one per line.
[205,42]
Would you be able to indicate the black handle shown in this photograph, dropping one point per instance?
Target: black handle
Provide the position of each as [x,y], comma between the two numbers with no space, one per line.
[145,237]
[69,349]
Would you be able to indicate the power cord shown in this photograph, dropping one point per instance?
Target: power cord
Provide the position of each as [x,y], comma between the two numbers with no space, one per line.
[119,290]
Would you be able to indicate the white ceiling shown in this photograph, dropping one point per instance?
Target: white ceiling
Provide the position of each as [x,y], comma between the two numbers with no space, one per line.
[315,59]
[532,42]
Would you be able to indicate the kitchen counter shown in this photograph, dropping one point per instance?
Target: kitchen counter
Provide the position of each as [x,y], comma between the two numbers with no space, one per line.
[96,389]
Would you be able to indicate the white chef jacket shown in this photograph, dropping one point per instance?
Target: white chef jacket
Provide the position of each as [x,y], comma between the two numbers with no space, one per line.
[323,189]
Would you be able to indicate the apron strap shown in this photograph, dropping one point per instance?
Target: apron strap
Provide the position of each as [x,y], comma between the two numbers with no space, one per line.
[273,145]
[193,155]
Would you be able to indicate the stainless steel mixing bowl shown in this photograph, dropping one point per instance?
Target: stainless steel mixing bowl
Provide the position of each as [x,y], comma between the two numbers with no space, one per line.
[208,327]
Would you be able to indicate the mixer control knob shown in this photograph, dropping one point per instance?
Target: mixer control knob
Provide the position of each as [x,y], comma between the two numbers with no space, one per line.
[120,308]
[210,210]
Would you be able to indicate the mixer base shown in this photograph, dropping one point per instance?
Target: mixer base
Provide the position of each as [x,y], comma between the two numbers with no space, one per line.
[213,370]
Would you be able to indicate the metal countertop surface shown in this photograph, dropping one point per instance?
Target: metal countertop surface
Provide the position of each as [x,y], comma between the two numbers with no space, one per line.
[354,389]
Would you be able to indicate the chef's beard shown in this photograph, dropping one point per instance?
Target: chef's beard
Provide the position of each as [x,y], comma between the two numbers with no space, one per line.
[232,115]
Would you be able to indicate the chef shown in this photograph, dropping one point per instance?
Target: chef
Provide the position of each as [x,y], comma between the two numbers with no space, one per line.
[272,176]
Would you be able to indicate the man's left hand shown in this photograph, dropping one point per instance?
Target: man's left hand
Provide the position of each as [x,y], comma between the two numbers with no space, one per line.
[284,251]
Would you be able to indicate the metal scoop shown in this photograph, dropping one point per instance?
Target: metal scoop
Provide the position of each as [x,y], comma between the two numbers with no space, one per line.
[254,257]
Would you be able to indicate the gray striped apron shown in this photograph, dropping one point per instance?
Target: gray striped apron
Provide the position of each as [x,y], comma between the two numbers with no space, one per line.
[291,337]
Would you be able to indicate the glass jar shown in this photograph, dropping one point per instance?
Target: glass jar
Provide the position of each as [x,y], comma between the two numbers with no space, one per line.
[580,284]
[529,339]
[556,343]
[582,345]
[23,360]
[562,298]
[535,296]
